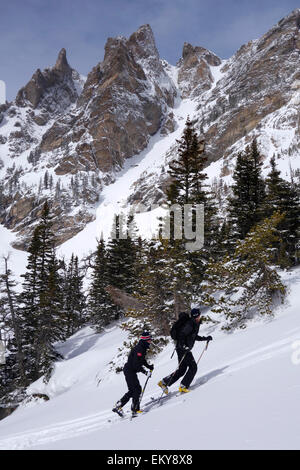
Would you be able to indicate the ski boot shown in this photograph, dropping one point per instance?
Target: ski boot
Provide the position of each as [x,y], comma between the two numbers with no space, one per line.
[183,389]
[163,386]
[118,409]
[136,413]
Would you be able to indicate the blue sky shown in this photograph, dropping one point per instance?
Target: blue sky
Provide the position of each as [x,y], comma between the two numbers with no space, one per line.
[32,32]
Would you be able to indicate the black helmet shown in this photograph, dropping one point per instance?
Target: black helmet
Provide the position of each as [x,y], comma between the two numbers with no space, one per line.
[195,312]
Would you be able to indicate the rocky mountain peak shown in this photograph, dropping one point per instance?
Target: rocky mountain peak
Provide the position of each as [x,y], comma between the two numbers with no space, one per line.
[190,53]
[42,82]
[112,44]
[142,43]
[118,59]
[62,63]
[194,74]
[143,47]
[293,19]
[124,101]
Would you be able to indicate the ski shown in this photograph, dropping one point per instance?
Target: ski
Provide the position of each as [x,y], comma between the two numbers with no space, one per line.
[148,405]
[152,400]
[157,401]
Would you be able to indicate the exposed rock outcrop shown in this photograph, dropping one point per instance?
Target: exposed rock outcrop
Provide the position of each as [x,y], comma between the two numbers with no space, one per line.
[123,300]
[257,81]
[51,89]
[194,75]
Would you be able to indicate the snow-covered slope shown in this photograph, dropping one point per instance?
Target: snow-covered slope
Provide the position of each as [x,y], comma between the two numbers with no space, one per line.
[245,394]
[17,260]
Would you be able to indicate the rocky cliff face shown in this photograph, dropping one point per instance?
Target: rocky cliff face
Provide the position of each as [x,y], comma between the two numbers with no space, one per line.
[52,89]
[194,74]
[65,136]
[257,81]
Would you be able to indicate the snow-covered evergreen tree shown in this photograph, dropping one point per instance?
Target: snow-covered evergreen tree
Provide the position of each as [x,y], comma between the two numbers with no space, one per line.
[12,374]
[41,301]
[245,284]
[74,299]
[245,205]
[122,255]
[188,187]
[51,321]
[101,310]
[283,196]
[186,171]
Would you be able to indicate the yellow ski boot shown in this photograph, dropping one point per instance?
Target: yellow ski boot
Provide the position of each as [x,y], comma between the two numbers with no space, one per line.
[136,413]
[183,389]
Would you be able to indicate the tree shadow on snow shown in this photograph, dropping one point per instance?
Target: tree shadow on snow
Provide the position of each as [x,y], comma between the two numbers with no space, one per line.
[205,378]
[78,346]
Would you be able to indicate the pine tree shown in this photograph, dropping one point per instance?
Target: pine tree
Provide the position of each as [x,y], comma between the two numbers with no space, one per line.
[41,301]
[46,179]
[245,284]
[187,171]
[122,256]
[258,183]
[213,242]
[51,322]
[29,303]
[101,309]
[188,187]
[58,190]
[245,206]
[47,243]
[140,261]
[156,297]
[12,374]
[164,286]
[74,299]
[282,196]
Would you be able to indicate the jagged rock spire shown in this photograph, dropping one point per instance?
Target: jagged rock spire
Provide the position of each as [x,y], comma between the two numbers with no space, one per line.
[62,63]
[43,80]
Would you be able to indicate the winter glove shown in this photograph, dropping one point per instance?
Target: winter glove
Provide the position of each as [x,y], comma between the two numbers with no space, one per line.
[151,367]
[184,348]
[209,338]
[144,371]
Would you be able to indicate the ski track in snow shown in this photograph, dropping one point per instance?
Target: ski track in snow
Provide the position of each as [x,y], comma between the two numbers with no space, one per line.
[104,419]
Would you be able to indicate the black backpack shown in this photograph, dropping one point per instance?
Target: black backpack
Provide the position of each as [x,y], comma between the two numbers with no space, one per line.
[178,325]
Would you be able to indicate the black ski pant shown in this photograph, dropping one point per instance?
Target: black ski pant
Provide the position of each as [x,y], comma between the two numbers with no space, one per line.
[134,389]
[187,367]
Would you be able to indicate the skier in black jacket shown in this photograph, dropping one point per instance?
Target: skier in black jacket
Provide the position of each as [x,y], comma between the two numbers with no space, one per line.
[187,364]
[136,363]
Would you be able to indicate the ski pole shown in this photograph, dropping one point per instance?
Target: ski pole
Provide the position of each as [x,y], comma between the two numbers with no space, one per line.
[173,353]
[98,379]
[206,346]
[149,375]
